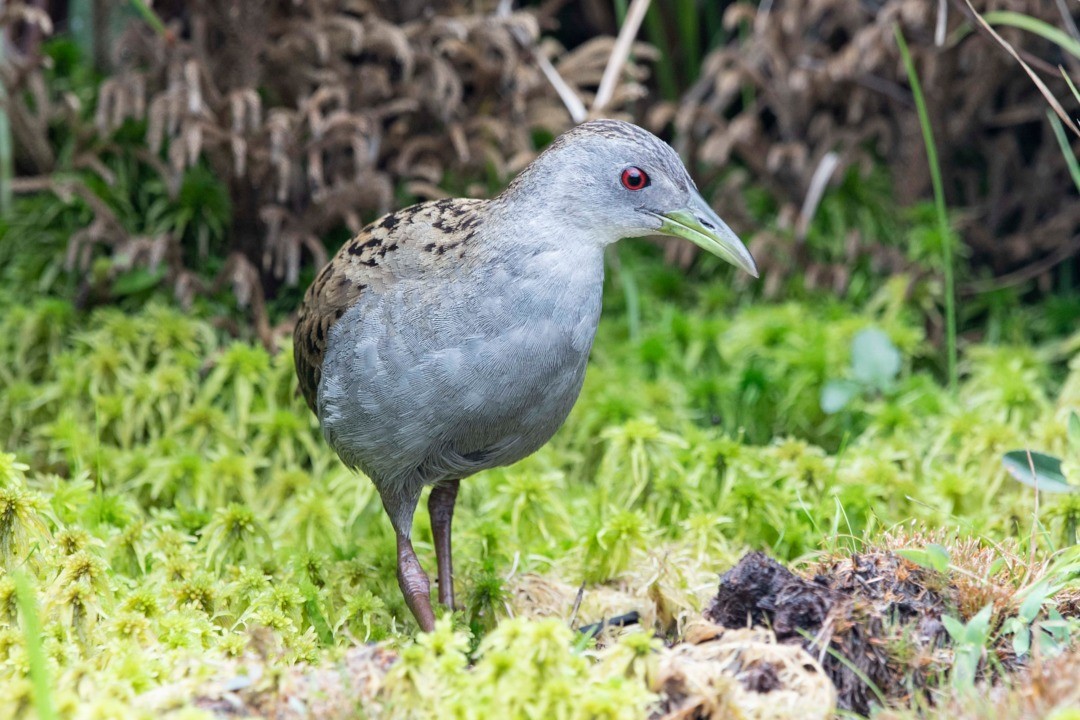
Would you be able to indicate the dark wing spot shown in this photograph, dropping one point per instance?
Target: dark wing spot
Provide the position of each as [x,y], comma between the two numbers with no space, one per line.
[449,246]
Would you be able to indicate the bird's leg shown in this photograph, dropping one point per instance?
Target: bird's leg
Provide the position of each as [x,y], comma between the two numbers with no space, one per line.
[441,509]
[414,583]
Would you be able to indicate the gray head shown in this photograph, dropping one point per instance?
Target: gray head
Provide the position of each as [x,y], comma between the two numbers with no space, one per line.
[617,180]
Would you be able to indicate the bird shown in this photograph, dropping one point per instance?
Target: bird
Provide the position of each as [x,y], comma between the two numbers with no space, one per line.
[452,336]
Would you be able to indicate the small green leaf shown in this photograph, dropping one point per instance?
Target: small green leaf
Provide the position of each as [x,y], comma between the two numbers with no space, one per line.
[1074,432]
[1036,596]
[938,557]
[836,394]
[875,361]
[978,627]
[965,665]
[1022,640]
[919,557]
[136,281]
[314,614]
[1036,26]
[36,660]
[954,627]
[1048,476]
[995,567]
[1057,626]
[934,557]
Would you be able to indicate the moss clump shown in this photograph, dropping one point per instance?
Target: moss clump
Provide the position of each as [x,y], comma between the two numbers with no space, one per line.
[169,497]
[522,669]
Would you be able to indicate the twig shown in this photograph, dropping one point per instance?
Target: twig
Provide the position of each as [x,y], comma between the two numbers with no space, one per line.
[942,21]
[569,98]
[824,170]
[761,19]
[573,103]
[1067,18]
[631,618]
[577,603]
[888,88]
[620,53]
[514,566]
[939,204]
[1061,254]
[1053,101]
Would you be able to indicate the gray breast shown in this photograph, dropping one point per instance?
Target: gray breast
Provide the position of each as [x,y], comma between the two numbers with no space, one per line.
[418,386]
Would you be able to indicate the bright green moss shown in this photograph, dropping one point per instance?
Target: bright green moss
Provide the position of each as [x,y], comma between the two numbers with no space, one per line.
[170,495]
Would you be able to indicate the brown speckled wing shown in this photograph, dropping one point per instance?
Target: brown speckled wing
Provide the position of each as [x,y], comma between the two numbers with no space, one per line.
[405,242]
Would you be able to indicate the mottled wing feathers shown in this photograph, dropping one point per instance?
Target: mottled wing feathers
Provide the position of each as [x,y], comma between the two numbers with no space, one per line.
[409,242]
[323,305]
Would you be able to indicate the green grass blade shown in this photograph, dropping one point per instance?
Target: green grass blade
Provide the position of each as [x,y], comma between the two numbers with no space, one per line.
[7,158]
[1036,26]
[714,26]
[35,651]
[939,206]
[666,78]
[1066,149]
[687,20]
[1074,170]
[147,13]
[621,7]
[855,670]
[1069,82]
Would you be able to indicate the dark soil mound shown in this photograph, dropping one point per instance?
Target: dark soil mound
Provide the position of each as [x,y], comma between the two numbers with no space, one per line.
[872,617]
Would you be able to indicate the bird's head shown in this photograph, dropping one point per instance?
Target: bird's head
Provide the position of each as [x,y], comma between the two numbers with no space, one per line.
[616,180]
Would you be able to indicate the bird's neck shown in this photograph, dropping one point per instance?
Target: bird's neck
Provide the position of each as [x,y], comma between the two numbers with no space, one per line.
[546,270]
[558,248]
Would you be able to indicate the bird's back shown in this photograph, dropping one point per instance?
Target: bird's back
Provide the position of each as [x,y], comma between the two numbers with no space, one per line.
[409,243]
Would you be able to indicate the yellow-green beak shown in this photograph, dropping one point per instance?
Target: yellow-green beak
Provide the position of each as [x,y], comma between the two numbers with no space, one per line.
[699,224]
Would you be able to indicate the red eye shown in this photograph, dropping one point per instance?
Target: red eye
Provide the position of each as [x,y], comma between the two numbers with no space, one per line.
[634,178]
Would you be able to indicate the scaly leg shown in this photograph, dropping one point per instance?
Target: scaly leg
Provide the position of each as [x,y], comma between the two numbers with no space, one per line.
[441,508]
[414,584]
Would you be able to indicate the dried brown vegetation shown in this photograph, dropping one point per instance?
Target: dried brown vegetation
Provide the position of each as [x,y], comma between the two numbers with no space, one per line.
[316,115]
[1045,689]
[813,89]
[720,673]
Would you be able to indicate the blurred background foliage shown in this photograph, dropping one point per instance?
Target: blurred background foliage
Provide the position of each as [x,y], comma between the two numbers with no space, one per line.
[219,151]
